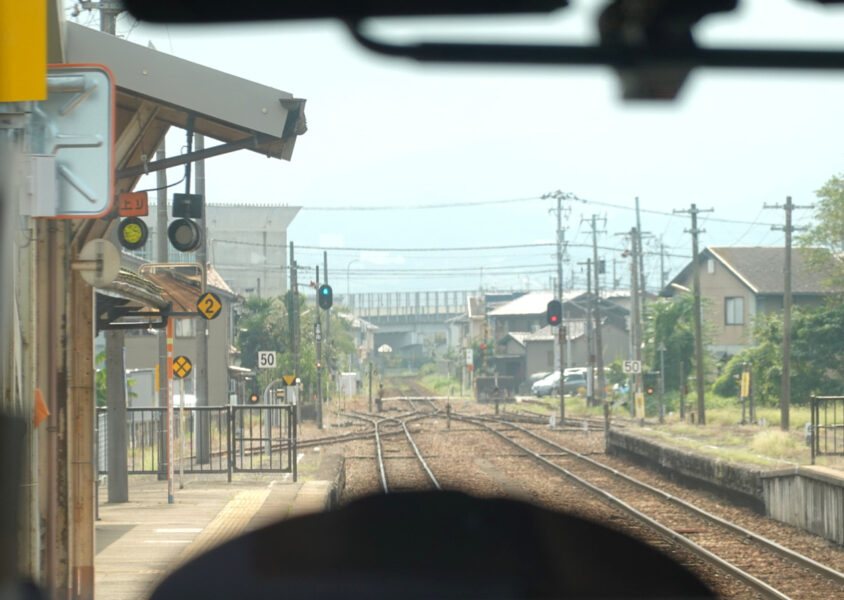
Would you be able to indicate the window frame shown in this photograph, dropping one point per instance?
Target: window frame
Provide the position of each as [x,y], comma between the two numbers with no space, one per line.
[728,313]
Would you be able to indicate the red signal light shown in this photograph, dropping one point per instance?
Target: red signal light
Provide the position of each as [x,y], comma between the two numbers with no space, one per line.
[483,346]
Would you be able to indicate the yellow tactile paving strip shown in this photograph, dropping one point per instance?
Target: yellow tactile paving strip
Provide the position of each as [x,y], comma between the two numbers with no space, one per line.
[228,523]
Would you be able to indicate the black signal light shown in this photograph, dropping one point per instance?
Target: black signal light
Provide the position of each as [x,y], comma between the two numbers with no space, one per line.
[326,296]
[184,235]
[554,313]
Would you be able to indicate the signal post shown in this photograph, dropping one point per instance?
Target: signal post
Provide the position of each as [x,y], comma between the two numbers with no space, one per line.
[554,315]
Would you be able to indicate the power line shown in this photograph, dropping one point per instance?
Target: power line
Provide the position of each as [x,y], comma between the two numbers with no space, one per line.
[430,249]
[391,207]
[421,206]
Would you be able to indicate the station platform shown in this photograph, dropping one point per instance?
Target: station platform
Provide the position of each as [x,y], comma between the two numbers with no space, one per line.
[141,541]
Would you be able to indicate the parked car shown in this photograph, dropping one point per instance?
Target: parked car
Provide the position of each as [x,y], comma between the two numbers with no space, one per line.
[574,380]
[546,385]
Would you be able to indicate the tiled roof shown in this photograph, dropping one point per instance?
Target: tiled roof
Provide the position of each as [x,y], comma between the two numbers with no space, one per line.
[519,336]
[534,303]
[215,280]
[762,268]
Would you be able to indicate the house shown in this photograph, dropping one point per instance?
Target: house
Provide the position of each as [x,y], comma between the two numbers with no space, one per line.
[540,353]
[509,356]
[525,313]
[525,343]
[739,282]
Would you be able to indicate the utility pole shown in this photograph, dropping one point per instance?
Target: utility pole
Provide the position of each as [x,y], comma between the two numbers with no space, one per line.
[162,254]
[293,323]
[788,228]
[327,324]
[641,265]
[561,330]
[701,409]
[293,309]
[318,339]
[661,265]
[203,430]
[637,315]
[599,349]
[559,196]
[590,337]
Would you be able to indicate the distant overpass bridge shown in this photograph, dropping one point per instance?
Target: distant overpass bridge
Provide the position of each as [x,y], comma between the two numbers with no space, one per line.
[411,323]
[391,307]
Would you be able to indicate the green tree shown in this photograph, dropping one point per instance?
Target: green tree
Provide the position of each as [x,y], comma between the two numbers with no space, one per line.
[817,355]
[827,232]
[264,324]
[670,321]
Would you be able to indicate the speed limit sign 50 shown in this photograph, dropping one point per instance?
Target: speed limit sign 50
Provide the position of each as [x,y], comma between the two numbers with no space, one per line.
[632,366]
[266,359]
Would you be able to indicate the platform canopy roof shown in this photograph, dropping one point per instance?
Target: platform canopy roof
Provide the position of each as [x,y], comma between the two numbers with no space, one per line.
[156,91]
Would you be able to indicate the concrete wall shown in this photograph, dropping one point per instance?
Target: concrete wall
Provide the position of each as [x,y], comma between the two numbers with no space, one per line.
[539,357]
[811,498]
[741,483]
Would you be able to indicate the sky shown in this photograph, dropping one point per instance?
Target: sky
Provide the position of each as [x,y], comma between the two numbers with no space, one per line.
[401,157]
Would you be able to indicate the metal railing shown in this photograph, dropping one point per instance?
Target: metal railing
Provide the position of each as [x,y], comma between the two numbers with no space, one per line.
[207,439]
[827,437]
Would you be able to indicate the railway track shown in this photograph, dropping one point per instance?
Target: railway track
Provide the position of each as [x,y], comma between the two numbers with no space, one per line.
[769,569]
[391,446]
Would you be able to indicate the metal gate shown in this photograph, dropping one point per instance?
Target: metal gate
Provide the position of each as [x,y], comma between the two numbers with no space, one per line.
[207,439]
[263,439]
[827,426]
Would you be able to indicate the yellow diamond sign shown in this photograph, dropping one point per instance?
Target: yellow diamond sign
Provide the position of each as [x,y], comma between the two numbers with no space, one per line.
[181,366]
[289,379]
[209,305]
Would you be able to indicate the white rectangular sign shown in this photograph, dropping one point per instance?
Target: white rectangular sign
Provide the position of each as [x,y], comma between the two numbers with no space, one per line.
[632,366]
[469,359]
[266,359]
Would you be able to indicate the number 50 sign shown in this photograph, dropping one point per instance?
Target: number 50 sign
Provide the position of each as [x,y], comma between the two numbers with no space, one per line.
[266,359]
[632,366]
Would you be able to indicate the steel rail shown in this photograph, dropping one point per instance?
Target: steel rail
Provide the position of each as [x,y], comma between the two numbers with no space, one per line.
[381,468]
[667,532]
[377,422]
[801,559]
[421,459]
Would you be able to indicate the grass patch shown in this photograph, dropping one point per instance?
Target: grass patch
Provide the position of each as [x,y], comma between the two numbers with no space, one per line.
[776,443]
[441,385]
